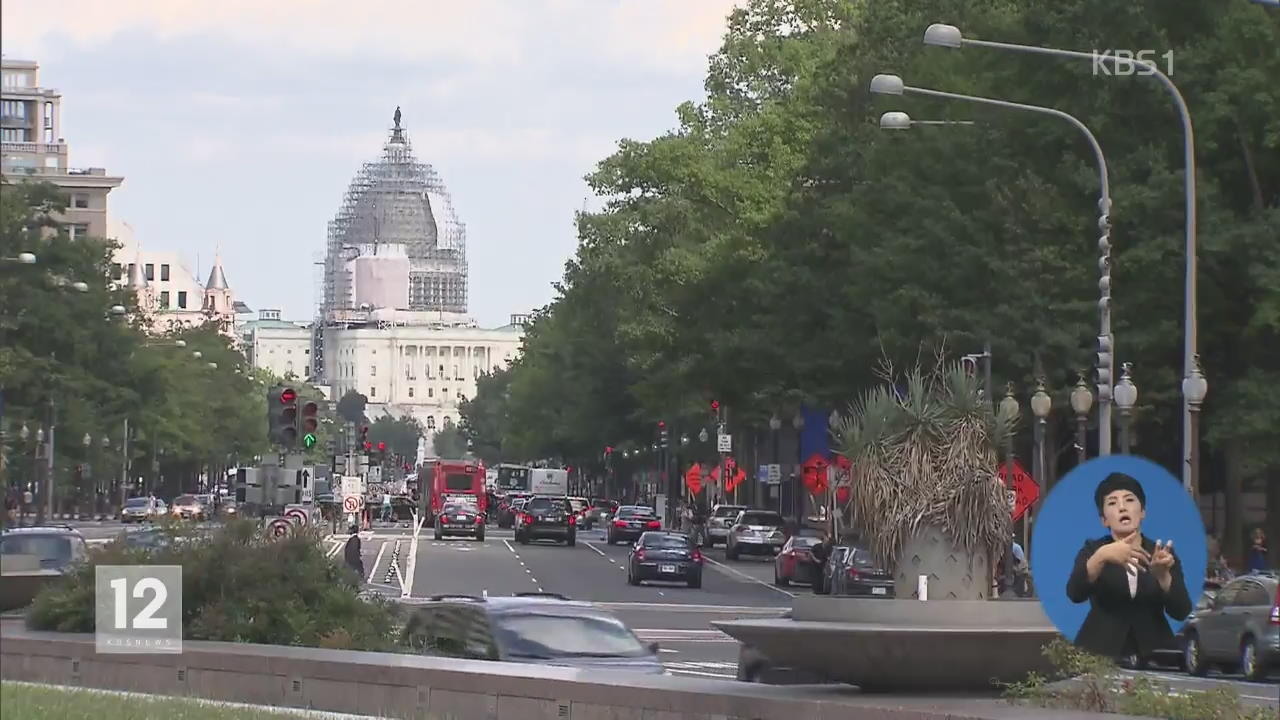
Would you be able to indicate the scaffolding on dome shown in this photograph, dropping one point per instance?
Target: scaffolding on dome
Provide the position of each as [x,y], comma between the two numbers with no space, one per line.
[395,201]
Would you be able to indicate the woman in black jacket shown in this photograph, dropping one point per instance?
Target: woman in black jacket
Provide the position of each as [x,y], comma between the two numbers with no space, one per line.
[351,554]
[1130,581]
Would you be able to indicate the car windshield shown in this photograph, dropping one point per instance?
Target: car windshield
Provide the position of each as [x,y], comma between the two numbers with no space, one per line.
[540,635]
[577,504]
[457,481]
[459,507]
[54,551]
[805,541]
[861,557]
[185,500]
[135,502]
[756,518]
[663,540]
[636,512]
[544,504]
[728,511]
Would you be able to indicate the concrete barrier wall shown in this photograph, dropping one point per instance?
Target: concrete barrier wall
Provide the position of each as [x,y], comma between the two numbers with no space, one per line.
[408,686]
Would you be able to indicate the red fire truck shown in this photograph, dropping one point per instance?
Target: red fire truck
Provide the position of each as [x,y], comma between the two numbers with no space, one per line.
[444,480]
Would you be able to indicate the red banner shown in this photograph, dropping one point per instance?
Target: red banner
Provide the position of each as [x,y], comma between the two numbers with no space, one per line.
[814,474]
[1024,492]
[693,479]
[735,480]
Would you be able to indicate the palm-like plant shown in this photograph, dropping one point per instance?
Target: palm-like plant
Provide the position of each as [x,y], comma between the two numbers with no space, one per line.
[926,498]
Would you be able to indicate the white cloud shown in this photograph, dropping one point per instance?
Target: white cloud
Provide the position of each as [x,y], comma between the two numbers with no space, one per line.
[663,34]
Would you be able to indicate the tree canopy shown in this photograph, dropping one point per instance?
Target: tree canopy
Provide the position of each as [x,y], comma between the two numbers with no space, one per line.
[776,244]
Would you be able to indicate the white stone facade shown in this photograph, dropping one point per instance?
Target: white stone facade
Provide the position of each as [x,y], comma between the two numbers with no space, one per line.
[278,346]
[421,370]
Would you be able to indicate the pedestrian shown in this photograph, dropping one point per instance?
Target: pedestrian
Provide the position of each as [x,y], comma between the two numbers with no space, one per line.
[821,554]
[1218,572]
[1256,559]
[351,555]
[386,507]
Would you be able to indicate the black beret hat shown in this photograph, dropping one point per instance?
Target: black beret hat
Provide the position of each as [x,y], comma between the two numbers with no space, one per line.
[1117,481]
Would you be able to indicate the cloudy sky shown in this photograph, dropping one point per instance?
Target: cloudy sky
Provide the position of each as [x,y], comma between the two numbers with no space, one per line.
[241,122]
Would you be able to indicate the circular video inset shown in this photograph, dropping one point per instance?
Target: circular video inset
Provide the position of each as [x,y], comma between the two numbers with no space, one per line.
[1118,556]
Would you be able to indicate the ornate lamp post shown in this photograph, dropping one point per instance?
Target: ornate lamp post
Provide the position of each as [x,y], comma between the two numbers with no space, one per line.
[1126,394]
[797,423]
[1010,409]
[1041,406]
[1194,388]
[1081,403]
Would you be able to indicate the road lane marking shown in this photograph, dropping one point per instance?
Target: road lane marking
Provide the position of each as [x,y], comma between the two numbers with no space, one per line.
[694,608]
[599,552]
[376,561]
[699,673]
[745,576]
[509,547]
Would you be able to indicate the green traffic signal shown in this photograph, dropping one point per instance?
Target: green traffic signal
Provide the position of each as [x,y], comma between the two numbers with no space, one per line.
[309,441]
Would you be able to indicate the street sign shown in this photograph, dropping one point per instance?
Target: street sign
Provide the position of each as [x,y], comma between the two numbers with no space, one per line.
[353,503]
[775,473]
[1024,492]
[279,527]
[297,516]
[724,442]
[353,485]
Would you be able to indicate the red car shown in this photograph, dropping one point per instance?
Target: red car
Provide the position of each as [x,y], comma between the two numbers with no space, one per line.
[795,563]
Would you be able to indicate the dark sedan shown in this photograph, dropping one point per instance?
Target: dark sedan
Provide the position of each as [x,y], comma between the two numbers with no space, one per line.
[630,522]
[665,556]
[460,519]
[547,518]
[852,571]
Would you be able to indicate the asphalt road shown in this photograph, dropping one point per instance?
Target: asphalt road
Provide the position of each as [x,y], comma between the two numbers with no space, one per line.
[675,616]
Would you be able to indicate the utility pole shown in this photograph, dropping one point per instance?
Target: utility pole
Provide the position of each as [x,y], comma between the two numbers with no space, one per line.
[124,465]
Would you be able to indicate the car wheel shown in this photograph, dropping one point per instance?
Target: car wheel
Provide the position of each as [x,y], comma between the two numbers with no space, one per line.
[695,581]
[609,538]
[779,580]
[439,533]
[480,534]
[1193,656]
[731,552]
[632,579]
[1252,670]
[573,540]
[522,539]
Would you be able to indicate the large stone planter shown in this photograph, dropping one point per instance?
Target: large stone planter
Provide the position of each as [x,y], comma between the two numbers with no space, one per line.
[953,572]
[886,645]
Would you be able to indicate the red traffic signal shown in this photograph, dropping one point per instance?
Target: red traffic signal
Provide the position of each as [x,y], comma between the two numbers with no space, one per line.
[368,445]
[715,404]
[608,449]
[288,396]
[662,423]
[310,419]
[382,446]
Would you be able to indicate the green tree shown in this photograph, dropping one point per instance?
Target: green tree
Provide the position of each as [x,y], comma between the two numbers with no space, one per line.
[484,420]
[400,434]
[351,407]
[451,443]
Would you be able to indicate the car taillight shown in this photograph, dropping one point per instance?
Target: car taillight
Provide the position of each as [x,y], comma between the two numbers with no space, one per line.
[479,520]
[619,523]
[573,520]
[852,573]
[640,555]
[654,525]
[697,555]
[741,529]
[1275,609]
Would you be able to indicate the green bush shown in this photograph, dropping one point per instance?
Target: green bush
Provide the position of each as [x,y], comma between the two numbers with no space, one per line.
[239,585]
[1096,686]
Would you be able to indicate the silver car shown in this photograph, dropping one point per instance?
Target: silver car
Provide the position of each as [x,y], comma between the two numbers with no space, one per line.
[755,532]
[1239,630]
[722,518]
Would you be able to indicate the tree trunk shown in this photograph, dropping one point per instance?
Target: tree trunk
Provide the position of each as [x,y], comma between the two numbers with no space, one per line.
[1233,535]
[953,573]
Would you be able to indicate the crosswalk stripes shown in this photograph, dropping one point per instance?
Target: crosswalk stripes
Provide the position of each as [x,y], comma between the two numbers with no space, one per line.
[704,669]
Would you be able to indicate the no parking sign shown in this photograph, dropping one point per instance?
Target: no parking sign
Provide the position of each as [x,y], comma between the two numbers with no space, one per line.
[279,527]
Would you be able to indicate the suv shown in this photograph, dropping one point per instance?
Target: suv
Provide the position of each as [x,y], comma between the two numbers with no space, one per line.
[722,518]
[32,557]
[547,518]
[534,628]
[755,532]
[1240,628]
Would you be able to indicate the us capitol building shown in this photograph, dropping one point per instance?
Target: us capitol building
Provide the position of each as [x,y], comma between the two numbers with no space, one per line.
[392,323]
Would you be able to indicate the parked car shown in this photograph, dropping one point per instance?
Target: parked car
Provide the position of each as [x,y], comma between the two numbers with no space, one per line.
[795,563]
[664,556]
[535,628]
[1172,657]
[547,518]
[722,518]
[755,532]
[460,518]
[630,522]
[1240,630]
[852,571]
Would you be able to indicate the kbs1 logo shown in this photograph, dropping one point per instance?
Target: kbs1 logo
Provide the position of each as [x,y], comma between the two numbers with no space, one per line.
[1123,63]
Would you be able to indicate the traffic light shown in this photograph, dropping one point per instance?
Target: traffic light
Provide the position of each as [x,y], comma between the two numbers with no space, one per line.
[382,447]
[309,424]
[664,439]
[282,416]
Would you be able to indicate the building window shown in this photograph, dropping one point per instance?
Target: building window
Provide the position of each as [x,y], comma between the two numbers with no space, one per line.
[182,299]
[373,392]
[410,392]
[373,371]
[431,392]
[79,230]
[118,272]
[164,300]
[80,201]
[164,272]
[456,376]
[431,422]
[149,271]
[13,135]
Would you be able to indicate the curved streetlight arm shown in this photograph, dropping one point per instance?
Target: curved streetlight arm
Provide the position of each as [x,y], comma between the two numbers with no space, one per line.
[1103,176]
[1191,330]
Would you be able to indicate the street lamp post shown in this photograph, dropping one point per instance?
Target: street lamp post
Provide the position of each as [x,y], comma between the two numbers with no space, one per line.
[950,36]
[1126,399]
[1081,403]
[1041,405]
[22,258]
[893,85]
[775,424]
[1009,408]
[1194,388]
[87,443]
[797,423]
